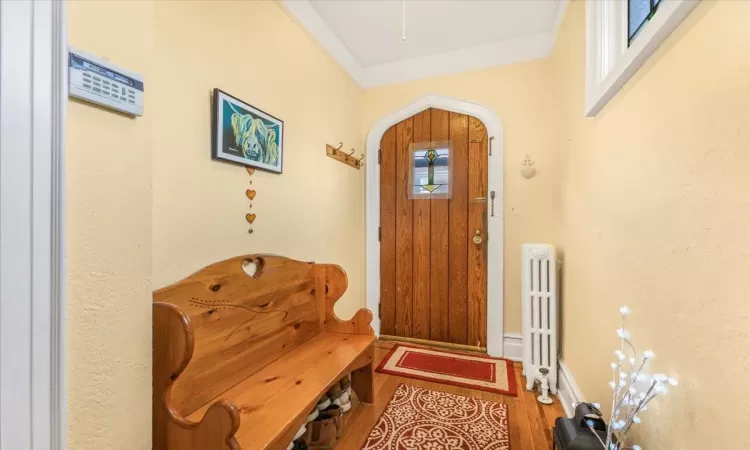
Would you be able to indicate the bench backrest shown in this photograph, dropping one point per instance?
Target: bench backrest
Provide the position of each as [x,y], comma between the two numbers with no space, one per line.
[241,323]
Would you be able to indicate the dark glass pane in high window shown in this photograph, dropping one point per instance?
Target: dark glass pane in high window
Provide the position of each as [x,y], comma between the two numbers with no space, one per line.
[638,11]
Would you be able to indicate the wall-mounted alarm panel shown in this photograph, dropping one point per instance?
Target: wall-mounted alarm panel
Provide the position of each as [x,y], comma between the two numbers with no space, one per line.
[98,81]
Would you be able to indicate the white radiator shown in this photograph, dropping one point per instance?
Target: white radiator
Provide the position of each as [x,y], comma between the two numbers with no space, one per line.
[539,303]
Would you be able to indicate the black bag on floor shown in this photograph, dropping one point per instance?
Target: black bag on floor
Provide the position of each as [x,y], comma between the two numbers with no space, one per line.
[574,434]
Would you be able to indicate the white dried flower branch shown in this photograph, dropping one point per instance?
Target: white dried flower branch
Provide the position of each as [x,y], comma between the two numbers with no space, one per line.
[632,390]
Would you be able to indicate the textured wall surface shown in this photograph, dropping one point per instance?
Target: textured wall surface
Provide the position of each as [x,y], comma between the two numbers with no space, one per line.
[109,241]
[521,96]
[656,203]
[649,200]
[314,210]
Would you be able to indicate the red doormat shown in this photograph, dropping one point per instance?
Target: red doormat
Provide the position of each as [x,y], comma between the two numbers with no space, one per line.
[457,369]
[421,419]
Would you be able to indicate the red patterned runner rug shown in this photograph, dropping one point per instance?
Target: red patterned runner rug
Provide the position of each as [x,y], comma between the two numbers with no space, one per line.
[457,369]
[422,419]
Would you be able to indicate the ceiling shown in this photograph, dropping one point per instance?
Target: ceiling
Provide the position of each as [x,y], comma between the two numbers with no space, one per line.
[442,36]
[372,29]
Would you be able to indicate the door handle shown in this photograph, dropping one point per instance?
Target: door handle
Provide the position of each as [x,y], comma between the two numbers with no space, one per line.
[477,237]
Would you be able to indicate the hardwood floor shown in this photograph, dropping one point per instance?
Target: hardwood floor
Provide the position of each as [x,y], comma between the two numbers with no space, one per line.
[530,422]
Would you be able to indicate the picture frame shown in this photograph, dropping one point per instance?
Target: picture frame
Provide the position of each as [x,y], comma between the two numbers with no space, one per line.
[245,135]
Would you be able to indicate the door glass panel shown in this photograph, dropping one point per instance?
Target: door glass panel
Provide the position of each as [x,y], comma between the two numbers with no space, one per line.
[430,172]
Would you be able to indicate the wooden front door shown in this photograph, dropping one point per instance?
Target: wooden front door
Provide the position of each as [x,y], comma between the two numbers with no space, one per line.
[433,275]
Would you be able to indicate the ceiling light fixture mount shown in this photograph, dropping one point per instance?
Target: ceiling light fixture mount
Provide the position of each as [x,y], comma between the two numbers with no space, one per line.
[403,21]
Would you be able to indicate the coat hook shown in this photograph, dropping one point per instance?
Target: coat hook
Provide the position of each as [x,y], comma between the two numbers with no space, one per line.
[347,157]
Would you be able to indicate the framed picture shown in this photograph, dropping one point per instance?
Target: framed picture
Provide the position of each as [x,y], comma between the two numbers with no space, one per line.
[243,134]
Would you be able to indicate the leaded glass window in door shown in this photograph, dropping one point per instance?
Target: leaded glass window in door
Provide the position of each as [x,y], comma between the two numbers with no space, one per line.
[430,169]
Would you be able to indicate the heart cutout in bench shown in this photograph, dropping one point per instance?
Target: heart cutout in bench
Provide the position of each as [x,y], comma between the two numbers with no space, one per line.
[253,267]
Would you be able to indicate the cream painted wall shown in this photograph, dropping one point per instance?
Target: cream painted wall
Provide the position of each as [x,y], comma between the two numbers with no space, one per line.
[126,238]
[108,253]
[655,186]
[520,94]
[656,203]
[315,209]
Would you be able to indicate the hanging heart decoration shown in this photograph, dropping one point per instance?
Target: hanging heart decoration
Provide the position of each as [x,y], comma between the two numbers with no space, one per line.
[250,193]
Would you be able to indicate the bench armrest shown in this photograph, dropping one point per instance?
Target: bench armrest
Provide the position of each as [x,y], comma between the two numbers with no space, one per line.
[332,281]
[172,350]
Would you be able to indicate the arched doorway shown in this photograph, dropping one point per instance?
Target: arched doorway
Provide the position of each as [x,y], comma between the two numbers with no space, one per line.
[441,311]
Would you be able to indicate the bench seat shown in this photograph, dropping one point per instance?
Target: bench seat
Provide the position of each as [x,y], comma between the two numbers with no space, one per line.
[244,348]
[274,401]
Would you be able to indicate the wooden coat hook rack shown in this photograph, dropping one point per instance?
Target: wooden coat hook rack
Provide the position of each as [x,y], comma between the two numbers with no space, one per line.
[344,157]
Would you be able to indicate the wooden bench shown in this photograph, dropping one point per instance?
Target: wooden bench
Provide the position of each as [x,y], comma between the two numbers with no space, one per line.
[240,360]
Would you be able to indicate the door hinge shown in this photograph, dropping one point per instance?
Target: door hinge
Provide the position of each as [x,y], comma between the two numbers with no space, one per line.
[490,144]
[380,156]
[380,235]
[379,307]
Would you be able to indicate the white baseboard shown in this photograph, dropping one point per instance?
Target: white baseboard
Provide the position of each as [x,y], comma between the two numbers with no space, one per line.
[512,346]
[567,389]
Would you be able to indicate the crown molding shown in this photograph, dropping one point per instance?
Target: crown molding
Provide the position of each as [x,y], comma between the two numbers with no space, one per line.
[302,12]
[479,57]
[562,6]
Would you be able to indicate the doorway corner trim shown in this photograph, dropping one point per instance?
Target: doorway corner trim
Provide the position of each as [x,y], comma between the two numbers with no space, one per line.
[495,277]
[33,81]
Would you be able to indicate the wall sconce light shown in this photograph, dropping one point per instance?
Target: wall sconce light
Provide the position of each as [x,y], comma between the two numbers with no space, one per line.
[527,167]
